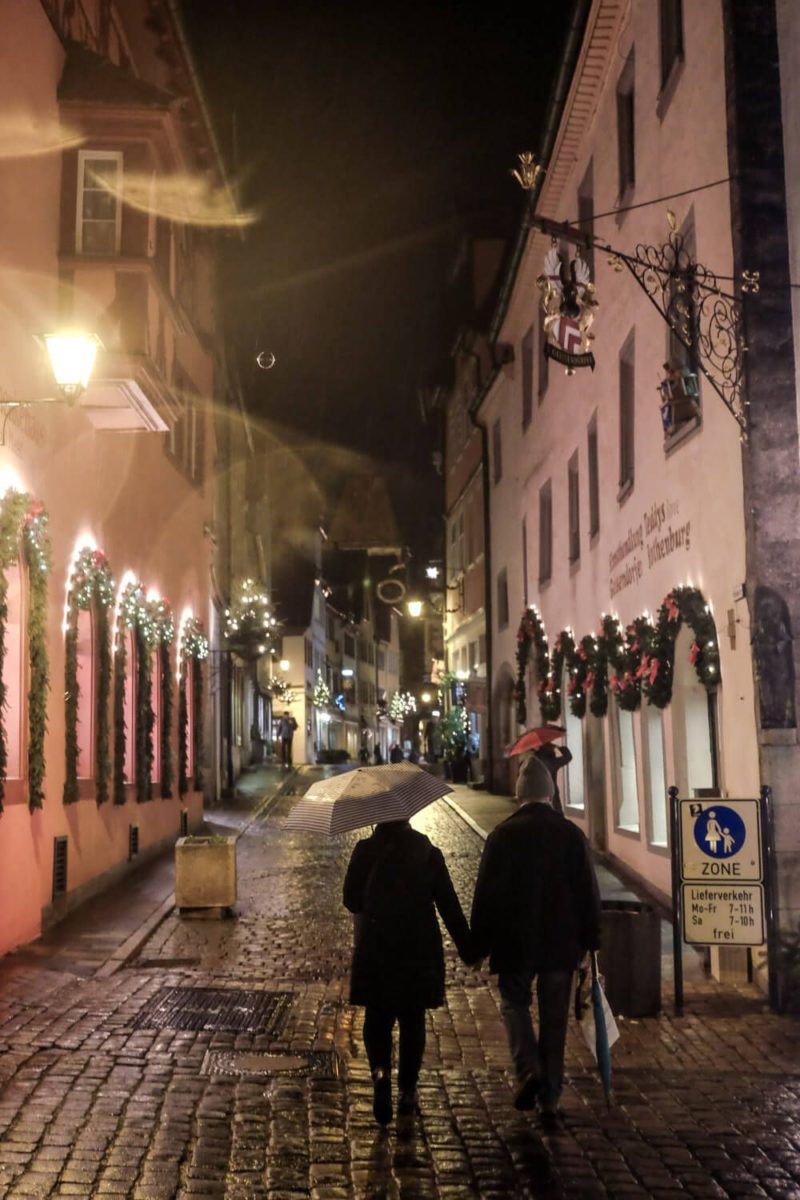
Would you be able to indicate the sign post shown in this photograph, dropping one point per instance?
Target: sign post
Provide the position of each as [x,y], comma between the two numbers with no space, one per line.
[721,890]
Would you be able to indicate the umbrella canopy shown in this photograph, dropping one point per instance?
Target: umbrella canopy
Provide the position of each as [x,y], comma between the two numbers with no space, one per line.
[366,796]
[533,739]
[602,1046]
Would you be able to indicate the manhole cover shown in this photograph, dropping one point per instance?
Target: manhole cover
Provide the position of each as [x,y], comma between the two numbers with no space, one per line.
[239,1063]
[224,1009]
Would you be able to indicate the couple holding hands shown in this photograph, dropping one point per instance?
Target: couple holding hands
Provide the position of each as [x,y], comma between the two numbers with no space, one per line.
[535,914]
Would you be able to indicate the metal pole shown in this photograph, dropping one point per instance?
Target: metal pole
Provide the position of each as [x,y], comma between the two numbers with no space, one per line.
[677,913]
[767,833]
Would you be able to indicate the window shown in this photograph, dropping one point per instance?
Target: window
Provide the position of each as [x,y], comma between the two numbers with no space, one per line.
[594,478]
[575,791]
[627,789]
[626,416]
[545,532]
[527,378]
[656,777]
[482,648]
[502,599]
[497,451]
[155,702]
[573,497]
[185,442]
[671,22]
[544,363]
[473,656]
[349,645]
[525,561]
[626,142]
[98,217]
[586,214]
[13,671]
[308,652]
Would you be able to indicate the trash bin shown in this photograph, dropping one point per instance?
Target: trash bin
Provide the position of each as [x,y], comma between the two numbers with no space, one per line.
[630,957]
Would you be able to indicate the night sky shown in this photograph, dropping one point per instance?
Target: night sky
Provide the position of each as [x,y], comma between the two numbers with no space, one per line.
[368,137]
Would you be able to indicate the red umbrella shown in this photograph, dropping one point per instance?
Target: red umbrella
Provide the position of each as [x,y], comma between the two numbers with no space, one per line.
[532,739]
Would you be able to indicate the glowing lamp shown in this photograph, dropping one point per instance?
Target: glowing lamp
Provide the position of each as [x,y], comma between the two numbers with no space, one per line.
[414,608]
[72,357]
[284,664]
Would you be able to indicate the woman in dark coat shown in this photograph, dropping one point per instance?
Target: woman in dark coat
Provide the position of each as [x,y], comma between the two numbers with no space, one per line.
[395,882]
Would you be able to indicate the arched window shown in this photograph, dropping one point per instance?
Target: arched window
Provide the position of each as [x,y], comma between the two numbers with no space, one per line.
[626,784]
[155,700]
[188,670]
[573,790]
[694,731]
[14,672]
[87,693]
[129,705]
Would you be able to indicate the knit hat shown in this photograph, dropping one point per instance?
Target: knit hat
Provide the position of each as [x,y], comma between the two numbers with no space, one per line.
[534,781]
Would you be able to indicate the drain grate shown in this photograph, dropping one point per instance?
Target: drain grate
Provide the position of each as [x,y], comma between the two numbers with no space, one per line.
[238,1064]
[226,1009]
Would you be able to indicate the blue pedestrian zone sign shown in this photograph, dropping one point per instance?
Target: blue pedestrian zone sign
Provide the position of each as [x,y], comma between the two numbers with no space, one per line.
[721,839]
[719,831]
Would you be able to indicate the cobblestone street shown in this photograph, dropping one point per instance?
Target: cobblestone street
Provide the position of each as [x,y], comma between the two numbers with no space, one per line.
[704,1106]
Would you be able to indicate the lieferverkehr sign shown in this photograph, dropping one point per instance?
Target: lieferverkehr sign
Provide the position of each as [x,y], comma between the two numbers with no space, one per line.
[722,872]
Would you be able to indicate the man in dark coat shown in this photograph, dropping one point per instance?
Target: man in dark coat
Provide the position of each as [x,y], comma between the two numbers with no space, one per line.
[395,882]
[536,912]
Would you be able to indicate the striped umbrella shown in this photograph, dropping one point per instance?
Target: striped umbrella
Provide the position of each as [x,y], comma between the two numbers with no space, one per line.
[366,796]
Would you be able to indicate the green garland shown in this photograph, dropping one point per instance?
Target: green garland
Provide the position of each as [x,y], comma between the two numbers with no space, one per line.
[165,749]
[120,741]
[631,664]
[91,586]
[193,648]
[24,519]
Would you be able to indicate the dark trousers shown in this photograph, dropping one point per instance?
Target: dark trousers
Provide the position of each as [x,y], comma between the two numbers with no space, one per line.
[543,1057]
[286,752]
[378,1025]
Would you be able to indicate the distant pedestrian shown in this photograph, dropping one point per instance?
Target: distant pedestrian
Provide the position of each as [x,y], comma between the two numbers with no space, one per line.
[378,756]
[554,758]
[395,883]
[363,756]
[396,753]
[536,913]
[286,729]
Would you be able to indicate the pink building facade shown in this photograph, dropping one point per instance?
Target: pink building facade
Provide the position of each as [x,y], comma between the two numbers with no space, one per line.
[105,562]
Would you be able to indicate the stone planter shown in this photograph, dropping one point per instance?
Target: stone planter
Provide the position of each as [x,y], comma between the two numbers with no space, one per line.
[205,875]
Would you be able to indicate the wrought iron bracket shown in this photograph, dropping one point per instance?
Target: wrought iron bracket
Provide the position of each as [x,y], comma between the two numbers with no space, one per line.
[707,321]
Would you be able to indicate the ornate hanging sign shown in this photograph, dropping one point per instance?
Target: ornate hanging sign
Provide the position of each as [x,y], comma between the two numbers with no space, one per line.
[568,304]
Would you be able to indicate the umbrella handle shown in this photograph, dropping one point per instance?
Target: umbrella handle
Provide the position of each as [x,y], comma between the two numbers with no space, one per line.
[595,968]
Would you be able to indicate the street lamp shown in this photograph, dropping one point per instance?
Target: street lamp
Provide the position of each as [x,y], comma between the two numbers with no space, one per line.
[414,608]
[425,697]
[72,357]
[284,664]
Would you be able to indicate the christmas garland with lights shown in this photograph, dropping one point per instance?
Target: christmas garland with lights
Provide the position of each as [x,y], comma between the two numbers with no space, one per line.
[636,662]
[250,617]
[193,649]
[91,588]
[23,522]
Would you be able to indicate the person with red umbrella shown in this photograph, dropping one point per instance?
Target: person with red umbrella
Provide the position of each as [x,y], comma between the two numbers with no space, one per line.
[541,742]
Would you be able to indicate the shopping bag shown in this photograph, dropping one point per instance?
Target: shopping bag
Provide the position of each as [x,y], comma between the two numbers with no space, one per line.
[584,1012]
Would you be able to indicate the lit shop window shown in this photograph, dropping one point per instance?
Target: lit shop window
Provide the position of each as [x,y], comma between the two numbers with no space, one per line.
[98,223]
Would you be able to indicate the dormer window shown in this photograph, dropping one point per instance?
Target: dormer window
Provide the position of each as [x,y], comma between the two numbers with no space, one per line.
[98,221]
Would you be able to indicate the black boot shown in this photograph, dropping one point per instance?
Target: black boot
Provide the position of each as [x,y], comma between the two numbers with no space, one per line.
[382,1101]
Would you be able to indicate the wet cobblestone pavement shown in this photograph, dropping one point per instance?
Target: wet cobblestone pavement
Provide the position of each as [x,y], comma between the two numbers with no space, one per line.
[705,1106]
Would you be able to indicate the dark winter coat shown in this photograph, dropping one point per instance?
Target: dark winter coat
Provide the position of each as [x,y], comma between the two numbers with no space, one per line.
[536,905]
[395,882]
